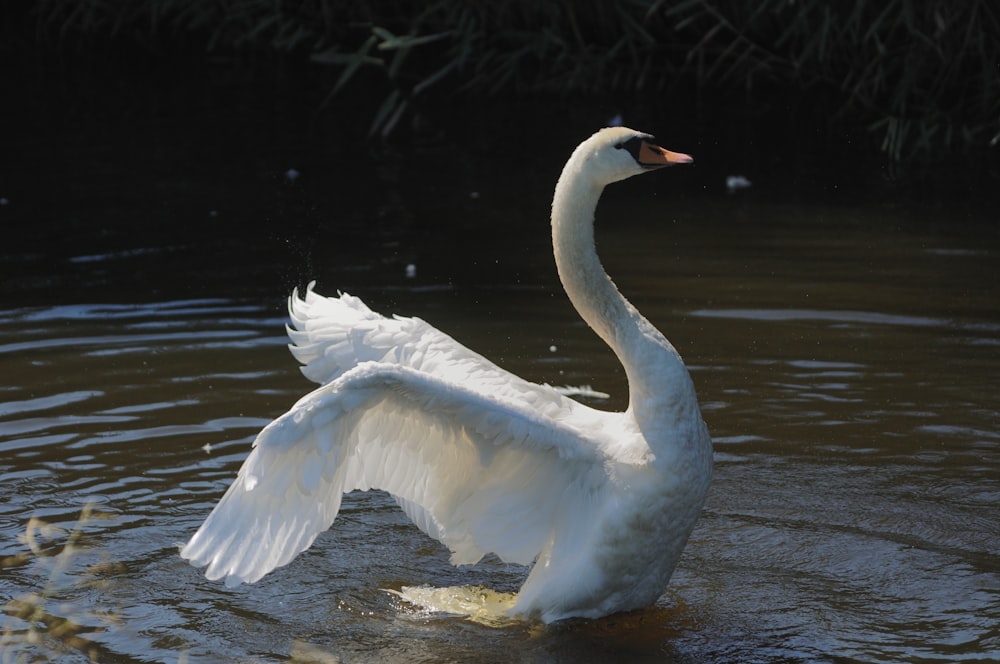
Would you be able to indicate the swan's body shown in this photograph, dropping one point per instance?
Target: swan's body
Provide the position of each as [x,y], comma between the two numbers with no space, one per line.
[482,460]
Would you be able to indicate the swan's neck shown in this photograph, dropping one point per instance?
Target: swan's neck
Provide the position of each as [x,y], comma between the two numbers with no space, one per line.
[661,393]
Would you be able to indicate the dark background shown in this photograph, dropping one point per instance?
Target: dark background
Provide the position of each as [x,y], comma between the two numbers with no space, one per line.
[149,131]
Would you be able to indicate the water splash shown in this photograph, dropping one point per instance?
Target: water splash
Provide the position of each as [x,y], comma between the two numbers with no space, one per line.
[475,603]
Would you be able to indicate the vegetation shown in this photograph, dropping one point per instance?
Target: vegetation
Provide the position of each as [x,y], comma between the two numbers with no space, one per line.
[43,626]
[921,75]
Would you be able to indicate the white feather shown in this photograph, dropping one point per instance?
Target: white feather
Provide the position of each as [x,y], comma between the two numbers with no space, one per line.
[481,460]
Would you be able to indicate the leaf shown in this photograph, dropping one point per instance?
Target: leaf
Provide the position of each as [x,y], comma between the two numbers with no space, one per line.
[352,60]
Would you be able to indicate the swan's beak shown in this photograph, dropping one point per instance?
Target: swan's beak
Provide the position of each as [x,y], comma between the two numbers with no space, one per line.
[653,156]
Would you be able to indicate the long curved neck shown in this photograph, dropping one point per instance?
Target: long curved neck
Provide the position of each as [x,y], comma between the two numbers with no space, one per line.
[660,389]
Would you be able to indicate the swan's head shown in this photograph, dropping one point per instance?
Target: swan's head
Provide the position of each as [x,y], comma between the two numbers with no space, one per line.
[616,153]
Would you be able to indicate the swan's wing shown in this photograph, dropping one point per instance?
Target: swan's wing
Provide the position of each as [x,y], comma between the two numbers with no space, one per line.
[331,335]
[476,472]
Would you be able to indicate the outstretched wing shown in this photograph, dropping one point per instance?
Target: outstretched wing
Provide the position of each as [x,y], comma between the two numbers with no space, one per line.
[332,335]
[476,471]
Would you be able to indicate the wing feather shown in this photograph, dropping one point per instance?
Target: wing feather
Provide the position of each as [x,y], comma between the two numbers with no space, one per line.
[473,470]
[332,335]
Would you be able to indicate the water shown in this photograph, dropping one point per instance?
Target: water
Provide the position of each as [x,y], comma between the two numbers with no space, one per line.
[847,357]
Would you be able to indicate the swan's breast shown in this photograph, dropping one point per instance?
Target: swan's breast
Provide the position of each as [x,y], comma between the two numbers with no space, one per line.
[643,532]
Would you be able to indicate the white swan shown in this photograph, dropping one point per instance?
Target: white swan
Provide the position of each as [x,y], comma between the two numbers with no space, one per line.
[481,460]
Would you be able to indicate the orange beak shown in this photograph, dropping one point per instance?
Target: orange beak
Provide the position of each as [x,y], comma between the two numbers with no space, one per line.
[655,156]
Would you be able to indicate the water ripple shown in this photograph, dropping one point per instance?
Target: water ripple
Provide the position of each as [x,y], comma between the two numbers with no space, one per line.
[845,316]
[852,511]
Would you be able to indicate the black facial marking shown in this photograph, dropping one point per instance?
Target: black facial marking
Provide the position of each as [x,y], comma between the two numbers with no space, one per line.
[633,145]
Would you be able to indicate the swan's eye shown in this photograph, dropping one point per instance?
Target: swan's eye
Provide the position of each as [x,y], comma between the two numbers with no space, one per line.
[633,145]
[629,144]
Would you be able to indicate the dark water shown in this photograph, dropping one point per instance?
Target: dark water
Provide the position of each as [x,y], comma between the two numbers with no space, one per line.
[847,356]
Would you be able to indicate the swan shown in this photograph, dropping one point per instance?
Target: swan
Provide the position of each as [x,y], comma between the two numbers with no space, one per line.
[602,503]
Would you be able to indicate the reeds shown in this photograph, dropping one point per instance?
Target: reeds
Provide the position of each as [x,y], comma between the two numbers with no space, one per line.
[921,75]
[42,626]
